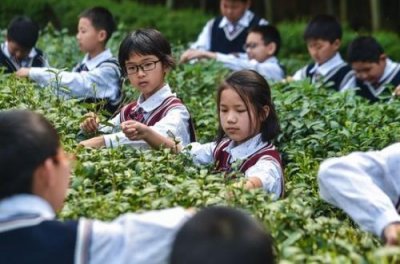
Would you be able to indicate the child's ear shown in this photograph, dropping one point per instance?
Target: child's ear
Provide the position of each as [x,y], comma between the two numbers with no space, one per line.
[102,35]
[265,113]
[43,178]
[271,48]
[382,57]
[337,44]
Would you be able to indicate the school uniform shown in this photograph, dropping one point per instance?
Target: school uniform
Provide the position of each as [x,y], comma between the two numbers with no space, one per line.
[220,35]
[373,92]
[29,233]
[334,71]
[94,78]
[270,69]
[35,58]
[366,185]
[163,111]
[254,158]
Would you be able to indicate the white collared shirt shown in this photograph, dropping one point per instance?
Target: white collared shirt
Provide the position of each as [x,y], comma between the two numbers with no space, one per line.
[325,70]
[270,68]
[176,121]
[130,238]
[366,185]
[98,82]
[203,42]
[390,71]
[26,62]
[268,171]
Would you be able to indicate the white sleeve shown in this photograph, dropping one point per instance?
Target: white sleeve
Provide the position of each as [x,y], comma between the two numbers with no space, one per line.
[300,74]
[202,154]
[270,174]
[203,41]
[366,185]
[136,238]
[270,71]
[175,121]
[101,82]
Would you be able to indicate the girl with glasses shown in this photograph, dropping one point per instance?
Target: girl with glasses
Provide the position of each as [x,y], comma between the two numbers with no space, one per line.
[145,57]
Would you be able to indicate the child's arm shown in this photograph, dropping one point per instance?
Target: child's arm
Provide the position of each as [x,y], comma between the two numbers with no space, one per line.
[101,82]
[138,131]
[192,54]
[365,185]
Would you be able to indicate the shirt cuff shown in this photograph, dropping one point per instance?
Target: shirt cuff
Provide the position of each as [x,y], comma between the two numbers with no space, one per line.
[113,140]
[385,219]
[40,75]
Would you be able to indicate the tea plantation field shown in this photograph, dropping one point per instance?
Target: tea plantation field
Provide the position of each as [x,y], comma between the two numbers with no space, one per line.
[316,124]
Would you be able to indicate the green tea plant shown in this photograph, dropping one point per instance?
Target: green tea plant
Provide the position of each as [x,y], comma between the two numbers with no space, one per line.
[317,123]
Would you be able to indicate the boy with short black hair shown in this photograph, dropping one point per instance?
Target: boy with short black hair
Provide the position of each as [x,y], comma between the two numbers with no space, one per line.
[374,71]
[262,46]
[323,37]
[219,235]
[19,48]
[227,32]
[98,76]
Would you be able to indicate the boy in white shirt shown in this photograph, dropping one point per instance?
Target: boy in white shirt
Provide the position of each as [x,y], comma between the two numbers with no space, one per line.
[323,37]
[19,48]
[98,76]
[226,33]
[366,185]
[262,46]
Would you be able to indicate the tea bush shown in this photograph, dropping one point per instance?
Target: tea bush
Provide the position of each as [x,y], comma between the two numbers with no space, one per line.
[317,123]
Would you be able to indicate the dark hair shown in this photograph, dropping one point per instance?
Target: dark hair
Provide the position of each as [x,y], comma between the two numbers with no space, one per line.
[222,235]
[364,49]
[23,31]
[101,19]
[269,34]
[145,42]
[323,27]
[26,140]
[254,90]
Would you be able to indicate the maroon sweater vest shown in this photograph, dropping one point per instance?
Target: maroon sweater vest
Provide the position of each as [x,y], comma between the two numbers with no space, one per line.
[222,158]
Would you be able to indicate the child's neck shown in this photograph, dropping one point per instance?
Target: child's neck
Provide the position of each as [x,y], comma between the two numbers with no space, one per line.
[95,52]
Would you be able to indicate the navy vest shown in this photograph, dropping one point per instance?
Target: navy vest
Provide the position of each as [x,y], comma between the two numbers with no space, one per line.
[110,107]
[38,61]
[49,241]
[219,42]
[371,93]
[336,76]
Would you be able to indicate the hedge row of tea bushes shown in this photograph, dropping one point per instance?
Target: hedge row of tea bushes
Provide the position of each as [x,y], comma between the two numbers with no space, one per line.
[316,123]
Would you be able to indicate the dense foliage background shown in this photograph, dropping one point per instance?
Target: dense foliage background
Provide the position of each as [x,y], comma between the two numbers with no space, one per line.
[317,123]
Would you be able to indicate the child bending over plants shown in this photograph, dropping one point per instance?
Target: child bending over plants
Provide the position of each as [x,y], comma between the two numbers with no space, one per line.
[247,124]
[145,57]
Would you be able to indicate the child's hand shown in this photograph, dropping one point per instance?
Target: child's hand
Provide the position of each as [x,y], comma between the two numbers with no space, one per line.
[22,72]
[391,234]
[91,123]
[397,91]
[134,130]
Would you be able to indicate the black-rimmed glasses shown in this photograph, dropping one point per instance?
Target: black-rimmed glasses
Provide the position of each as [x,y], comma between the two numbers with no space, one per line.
[147,66]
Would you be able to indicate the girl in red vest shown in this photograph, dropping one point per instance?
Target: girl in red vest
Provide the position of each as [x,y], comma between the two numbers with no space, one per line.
[247,124]
[145,58]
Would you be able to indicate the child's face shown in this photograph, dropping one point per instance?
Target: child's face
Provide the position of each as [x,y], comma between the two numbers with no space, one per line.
[322,50]
[90,39]
[233,10]
[146,73]
[256,48]
[17,51]
[235,118]
[369,71]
